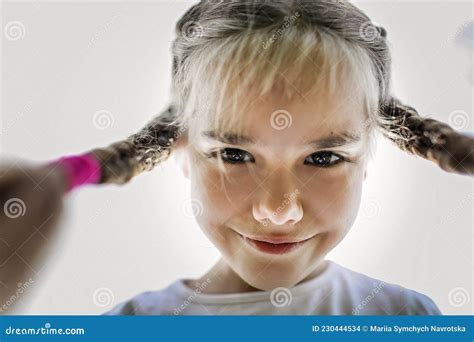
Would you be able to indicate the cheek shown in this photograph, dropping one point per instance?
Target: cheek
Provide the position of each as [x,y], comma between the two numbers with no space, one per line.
[332,200]
[221,200]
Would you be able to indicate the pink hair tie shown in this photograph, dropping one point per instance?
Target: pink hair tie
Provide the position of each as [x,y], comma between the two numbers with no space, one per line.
[80,170]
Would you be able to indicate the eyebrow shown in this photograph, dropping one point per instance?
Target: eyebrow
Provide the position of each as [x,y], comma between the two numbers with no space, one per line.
[333,140]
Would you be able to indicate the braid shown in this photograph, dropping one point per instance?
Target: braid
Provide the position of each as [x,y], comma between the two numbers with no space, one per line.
[427,138]
[141,151]
[207,21]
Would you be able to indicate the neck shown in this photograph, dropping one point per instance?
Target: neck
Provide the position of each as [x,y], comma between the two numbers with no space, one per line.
[225,280]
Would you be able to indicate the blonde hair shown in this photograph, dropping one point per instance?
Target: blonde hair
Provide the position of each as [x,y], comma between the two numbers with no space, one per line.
[219,76]
[224,49]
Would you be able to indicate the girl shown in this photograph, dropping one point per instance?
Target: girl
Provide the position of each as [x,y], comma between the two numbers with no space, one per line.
[274,113]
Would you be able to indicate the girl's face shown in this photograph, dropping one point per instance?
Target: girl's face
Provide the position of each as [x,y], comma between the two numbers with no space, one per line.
[293,185]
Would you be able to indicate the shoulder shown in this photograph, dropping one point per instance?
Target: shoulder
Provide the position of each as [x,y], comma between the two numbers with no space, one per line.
[373,296]
[160,302]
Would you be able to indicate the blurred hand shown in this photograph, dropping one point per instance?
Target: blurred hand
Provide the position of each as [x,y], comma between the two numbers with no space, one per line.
[31,200]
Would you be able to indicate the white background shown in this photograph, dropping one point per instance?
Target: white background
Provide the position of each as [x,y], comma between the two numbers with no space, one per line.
[77,58]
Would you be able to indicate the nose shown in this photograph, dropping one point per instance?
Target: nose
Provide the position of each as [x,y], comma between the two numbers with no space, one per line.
[277,201]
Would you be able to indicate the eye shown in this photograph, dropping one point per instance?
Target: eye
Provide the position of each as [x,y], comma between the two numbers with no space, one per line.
[324,159]
[233,155]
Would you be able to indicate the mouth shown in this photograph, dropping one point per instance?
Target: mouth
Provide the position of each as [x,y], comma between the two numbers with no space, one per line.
[274,245]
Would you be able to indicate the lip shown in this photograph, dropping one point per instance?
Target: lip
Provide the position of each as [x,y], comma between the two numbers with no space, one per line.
[274,245]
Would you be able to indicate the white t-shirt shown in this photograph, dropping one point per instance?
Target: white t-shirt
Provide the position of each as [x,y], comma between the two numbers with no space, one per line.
[335,291]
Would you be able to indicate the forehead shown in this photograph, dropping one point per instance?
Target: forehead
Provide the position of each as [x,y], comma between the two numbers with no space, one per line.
[277,119]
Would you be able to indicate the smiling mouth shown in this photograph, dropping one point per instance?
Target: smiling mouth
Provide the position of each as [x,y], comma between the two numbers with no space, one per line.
[273,247]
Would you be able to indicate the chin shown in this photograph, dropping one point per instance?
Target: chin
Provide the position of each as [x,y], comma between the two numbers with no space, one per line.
[270,278]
